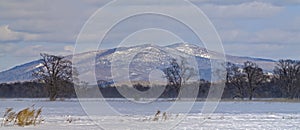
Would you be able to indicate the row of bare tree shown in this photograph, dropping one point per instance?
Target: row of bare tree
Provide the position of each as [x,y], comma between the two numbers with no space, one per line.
[287,75]
[248,77]
[56,72]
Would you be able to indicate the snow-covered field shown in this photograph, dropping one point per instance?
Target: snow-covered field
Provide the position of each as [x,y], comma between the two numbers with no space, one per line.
[228,115]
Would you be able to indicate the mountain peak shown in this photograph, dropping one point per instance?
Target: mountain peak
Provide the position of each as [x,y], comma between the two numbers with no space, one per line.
[191,49]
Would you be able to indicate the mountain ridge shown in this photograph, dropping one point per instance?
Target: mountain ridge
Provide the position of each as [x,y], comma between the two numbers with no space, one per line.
[148,58]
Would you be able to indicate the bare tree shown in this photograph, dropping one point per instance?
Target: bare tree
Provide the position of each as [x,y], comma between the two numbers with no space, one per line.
[55,72]
[237,78]
[178,74]
[245,79]
[287,74]
[255,77]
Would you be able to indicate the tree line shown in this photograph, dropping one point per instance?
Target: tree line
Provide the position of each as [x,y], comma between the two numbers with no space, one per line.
[249,79]
[55,80]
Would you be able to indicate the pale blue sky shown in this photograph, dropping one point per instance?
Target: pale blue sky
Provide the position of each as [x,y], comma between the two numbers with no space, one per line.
[265,28]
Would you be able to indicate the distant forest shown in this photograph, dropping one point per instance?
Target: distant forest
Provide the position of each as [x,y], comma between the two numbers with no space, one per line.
[38,90]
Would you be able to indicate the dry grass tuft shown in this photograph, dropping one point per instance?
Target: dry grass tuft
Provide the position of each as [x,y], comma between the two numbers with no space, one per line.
[164,116]
[156,116]
[25,117]
[8,116]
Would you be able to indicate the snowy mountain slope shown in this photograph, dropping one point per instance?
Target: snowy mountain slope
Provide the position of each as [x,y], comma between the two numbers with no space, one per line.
[266,64]
[140,60]
[19,73]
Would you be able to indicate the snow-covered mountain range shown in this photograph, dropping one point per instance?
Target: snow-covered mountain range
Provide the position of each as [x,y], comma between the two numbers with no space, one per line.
[140,60]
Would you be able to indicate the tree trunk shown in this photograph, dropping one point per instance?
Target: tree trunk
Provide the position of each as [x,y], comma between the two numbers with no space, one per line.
[53,96]
[251,96]
[178,93]
[251,93]
[53,91]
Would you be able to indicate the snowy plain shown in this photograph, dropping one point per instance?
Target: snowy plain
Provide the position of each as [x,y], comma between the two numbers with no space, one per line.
[228,115]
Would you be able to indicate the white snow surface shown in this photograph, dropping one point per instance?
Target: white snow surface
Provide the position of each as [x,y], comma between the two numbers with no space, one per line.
[136,116]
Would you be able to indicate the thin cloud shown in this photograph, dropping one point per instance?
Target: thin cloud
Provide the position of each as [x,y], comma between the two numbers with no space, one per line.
[237,2]
[244,10]
[8,35]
